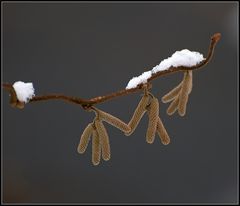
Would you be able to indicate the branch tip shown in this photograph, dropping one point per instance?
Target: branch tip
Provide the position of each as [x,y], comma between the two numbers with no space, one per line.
[216,37]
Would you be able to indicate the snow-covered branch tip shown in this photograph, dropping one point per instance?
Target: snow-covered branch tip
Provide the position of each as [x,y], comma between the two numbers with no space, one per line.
[184,60]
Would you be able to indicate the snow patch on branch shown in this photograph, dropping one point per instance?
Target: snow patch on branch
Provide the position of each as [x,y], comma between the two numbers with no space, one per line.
[139,80]
[180,58]
[184,58]
[24,91]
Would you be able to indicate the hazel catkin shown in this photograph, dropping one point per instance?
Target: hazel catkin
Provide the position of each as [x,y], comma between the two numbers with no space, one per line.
[183,95]
[114,121]
[138,113]
[85,138]
[173,106]
[162,132]
[104,139]
[172,94]
[96,148]
[153,112]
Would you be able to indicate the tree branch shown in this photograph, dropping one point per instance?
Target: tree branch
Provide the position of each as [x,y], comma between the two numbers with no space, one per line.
[87,103]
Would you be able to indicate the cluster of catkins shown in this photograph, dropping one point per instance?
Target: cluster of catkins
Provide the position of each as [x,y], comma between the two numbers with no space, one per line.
[148,104]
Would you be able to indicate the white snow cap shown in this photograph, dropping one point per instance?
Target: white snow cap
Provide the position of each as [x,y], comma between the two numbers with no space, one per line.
[179,58]
[24,91]
[138,80]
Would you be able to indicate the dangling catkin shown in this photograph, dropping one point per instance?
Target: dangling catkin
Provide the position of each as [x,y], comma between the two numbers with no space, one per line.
[85,138]
[153,118]
[173,106]
[190,82]
[183,96]
[138,113]
[172,94]
[114,121]
[96,148]
[162,132]
[104,139]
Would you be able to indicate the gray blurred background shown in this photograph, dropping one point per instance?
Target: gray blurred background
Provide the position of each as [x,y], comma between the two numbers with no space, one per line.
[91,49]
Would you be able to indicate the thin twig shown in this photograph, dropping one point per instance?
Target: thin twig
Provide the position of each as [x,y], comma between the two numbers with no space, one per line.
[87,103]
